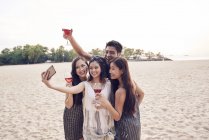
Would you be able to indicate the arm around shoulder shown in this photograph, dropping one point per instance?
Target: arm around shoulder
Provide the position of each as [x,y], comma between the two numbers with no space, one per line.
[140,93]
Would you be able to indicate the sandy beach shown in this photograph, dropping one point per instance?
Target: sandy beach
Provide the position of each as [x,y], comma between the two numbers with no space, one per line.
[175,107]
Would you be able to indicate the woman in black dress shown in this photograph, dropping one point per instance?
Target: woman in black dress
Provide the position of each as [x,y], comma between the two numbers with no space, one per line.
[124,101]
[73,113]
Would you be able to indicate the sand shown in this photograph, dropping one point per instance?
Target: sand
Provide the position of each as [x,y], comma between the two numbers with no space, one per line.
[176,103]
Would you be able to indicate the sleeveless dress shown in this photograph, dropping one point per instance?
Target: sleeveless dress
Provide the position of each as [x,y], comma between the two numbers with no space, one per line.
[98,123]
[73,122]
[129,126]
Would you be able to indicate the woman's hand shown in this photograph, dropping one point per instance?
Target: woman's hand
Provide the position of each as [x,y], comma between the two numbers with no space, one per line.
[102,102]
[67,34]
[44,76]
[69,84]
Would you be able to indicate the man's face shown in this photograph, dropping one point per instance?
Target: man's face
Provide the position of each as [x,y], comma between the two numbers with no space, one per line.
[110,53]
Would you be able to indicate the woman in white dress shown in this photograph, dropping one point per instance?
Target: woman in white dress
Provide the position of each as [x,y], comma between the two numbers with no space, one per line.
[98,123]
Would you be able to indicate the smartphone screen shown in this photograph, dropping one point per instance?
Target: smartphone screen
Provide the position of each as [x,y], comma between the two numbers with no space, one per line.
[51,71]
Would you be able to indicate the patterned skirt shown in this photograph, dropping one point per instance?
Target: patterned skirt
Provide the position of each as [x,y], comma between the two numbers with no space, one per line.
[73,122]
[128,128]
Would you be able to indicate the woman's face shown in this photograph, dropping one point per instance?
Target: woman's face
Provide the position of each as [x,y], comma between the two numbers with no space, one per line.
[94,69]
[81,68]
[115,72]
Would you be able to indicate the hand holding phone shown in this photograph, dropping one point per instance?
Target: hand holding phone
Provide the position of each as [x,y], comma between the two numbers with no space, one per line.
[51,72]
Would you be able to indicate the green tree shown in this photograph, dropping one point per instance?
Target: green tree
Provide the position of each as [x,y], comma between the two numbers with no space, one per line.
[159,55]
[5,56]
[59,57]
[96,51]
[138,52]
[150,55]
[128,52]
[17,55]
[34,54]
[69,55]
[52,55]
[1,60]
[26,49]
[41,52]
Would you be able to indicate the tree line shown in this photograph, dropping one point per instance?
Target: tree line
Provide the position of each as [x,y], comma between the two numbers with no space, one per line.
[33,54]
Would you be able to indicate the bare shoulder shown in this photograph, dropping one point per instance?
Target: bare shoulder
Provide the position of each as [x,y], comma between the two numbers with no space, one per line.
[120,95]
[120,92]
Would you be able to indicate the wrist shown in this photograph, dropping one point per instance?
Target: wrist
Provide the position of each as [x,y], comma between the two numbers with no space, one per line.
[107,106]
[69,37]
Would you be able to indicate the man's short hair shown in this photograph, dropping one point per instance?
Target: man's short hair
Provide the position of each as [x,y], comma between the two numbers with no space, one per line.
[116,45]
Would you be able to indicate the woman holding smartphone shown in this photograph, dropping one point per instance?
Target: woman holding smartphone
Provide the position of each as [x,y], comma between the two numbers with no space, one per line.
[98,124]
[73,113]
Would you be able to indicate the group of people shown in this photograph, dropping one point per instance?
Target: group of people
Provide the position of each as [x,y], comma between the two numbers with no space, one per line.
[104,105]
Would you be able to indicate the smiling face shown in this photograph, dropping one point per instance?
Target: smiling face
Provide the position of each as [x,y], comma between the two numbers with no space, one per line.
[94,69]
[81,68]
[110,53]
[115,72]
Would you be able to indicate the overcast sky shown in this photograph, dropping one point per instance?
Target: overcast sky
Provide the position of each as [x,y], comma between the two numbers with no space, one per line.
[172,27]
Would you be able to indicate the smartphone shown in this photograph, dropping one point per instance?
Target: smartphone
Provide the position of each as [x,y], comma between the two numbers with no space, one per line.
[51,71]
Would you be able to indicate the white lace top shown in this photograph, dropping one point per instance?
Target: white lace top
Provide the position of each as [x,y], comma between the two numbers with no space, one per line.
[98,123]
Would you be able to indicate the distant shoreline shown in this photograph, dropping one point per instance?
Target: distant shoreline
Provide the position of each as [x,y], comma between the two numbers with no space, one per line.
[180,58]
[128,61]
[174,58]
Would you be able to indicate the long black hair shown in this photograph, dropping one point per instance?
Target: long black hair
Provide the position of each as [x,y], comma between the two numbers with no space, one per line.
[103,65]
[129,104]
[77,98]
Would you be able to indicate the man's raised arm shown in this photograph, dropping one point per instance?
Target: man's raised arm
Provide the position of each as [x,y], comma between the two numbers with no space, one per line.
[76,46]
